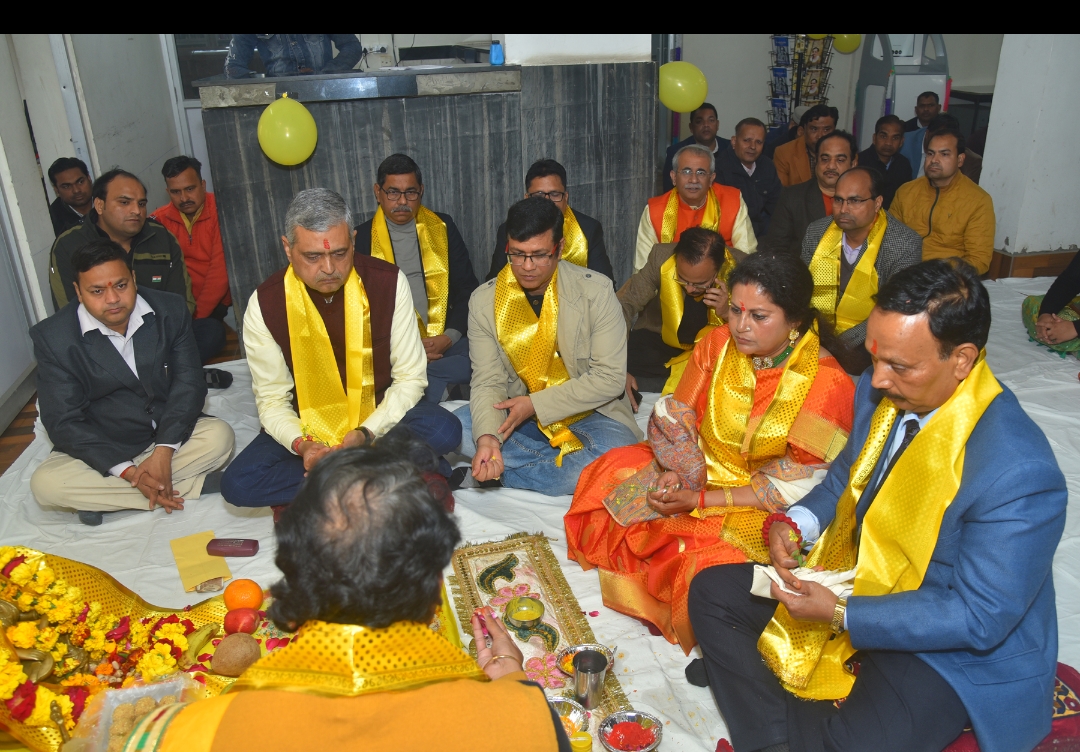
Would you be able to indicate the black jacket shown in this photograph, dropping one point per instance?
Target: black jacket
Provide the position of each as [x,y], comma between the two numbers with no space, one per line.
[897,173]
[760,192]
[155,258]
[462,279]
[799,205]
[94,407]
[63,217]
[594,235]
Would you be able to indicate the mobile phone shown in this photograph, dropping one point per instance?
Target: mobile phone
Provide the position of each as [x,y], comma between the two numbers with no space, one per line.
[232,547]
[637,395]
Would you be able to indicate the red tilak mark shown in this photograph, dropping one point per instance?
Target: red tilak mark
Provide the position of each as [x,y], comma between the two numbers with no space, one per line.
[326,244]
[742,307]
[873,347]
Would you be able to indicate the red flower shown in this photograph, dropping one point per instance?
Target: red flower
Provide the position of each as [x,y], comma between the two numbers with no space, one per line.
[82,614]
[200,678]
[78,697]
[22,702]
[724,746]
[273,643]
[189,627]
[10,567]
[120,631]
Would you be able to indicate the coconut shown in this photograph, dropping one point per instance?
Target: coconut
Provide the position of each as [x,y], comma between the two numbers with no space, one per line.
[234,654]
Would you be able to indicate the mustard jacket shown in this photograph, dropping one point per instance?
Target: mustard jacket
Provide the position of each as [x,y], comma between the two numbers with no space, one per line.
[957,220]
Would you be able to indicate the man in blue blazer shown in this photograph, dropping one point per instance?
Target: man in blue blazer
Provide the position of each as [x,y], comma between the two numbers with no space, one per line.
[121,392]
[976,642]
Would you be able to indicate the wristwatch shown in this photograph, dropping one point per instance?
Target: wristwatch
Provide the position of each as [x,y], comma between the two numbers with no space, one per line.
[839,610]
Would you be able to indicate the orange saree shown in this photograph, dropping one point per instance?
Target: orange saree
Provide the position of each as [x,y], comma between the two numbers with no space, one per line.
[646,567]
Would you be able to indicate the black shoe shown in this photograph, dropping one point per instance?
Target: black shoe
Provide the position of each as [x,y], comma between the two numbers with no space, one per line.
[695,673]
[217,378]
[457,477]
[212,483]
[93,519]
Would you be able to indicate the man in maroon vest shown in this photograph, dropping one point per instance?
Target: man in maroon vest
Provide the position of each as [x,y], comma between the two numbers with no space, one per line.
[335,357]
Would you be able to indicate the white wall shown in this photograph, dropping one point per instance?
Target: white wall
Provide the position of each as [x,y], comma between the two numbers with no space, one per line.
[737,68]
[1031,149]
[126,94]
[973,58]
[563,49]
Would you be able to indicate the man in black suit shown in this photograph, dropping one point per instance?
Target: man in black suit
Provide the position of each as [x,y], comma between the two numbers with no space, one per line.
[883,156]
[801,204]
[71,181]
[429,250]
[546,178]
[743,166]
[120,391]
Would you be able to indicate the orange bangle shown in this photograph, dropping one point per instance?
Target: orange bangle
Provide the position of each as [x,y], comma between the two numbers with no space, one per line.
[701,502]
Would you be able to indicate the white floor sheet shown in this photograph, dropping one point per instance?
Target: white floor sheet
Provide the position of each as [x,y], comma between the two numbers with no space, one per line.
[134,546]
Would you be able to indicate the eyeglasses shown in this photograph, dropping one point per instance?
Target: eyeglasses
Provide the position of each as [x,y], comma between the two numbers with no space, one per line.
[394,194]
[540,259]
[555,196]
[687,172]
[852,202]
[695,286]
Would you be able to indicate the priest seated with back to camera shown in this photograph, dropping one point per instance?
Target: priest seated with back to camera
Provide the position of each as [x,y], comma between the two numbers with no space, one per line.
[362,550]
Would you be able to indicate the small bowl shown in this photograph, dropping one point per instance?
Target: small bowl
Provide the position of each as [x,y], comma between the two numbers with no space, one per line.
[567,708]
[565,659]
[644,720]
[523,612]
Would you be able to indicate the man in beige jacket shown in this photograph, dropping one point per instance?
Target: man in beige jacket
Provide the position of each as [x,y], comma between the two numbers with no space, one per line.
[548,348]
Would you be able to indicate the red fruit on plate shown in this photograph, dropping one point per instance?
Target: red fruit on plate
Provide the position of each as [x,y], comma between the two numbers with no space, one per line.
[241,620]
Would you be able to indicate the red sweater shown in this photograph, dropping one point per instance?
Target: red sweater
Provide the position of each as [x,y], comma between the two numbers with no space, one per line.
[203,255]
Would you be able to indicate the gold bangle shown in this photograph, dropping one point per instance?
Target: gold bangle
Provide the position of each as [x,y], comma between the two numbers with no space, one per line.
[729,500]
[494,658]
[837,625]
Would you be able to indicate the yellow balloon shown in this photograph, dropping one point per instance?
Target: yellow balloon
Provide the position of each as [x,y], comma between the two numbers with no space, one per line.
[846,42]
[683,86]
[287,132]
[817,36]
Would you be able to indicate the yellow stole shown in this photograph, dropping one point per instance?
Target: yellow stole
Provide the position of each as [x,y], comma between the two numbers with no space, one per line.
[532,345]
[434,254]
[858,299]
[671,310]
[898,536]
[575,246]
[710,220]
[326,411]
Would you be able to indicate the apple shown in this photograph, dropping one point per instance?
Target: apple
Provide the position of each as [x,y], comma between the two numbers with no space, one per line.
[241,620]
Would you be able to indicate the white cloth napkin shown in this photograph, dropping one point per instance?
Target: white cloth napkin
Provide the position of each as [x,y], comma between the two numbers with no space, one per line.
[841,583]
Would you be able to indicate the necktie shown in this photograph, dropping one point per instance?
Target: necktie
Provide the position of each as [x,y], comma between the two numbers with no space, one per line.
[911,427]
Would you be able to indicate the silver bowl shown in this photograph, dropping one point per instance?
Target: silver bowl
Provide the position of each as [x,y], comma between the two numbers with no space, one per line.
[523,604]
[562,662]
[567,708]
[642,719]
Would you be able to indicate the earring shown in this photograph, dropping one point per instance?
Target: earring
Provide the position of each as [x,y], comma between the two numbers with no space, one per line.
[793,336]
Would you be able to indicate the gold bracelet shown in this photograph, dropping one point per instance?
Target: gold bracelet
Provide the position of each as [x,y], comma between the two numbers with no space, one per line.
[494,658]
[837,625]
[729,500]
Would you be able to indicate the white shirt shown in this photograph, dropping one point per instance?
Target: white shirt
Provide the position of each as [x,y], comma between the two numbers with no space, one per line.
[749,170]
[125,346]
[273,384]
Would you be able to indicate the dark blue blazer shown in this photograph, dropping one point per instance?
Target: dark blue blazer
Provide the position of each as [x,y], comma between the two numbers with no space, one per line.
[984,617]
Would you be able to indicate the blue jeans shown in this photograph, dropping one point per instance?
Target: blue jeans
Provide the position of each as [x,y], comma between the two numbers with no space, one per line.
[454,367]
[267,474]
[529,459]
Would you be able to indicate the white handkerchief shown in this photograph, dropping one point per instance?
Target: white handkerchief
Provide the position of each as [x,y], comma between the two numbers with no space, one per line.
[841,583]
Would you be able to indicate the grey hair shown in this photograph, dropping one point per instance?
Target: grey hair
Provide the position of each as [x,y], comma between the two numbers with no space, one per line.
[697,148]
[316,209]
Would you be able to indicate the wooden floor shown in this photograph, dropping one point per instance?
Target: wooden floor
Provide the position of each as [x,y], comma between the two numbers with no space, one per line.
[21,431]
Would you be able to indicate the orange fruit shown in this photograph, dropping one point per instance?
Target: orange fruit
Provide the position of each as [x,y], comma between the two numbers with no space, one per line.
[243,594]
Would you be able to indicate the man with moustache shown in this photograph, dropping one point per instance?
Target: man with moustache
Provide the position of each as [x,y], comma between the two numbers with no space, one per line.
[851,255]
[704,123]
[335,357]
[745,167]
[953,215]
[191,216]
[549,364]
[795,160]
[883,155]
[695,201]
[428,248]
[801,204]
[72,184]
